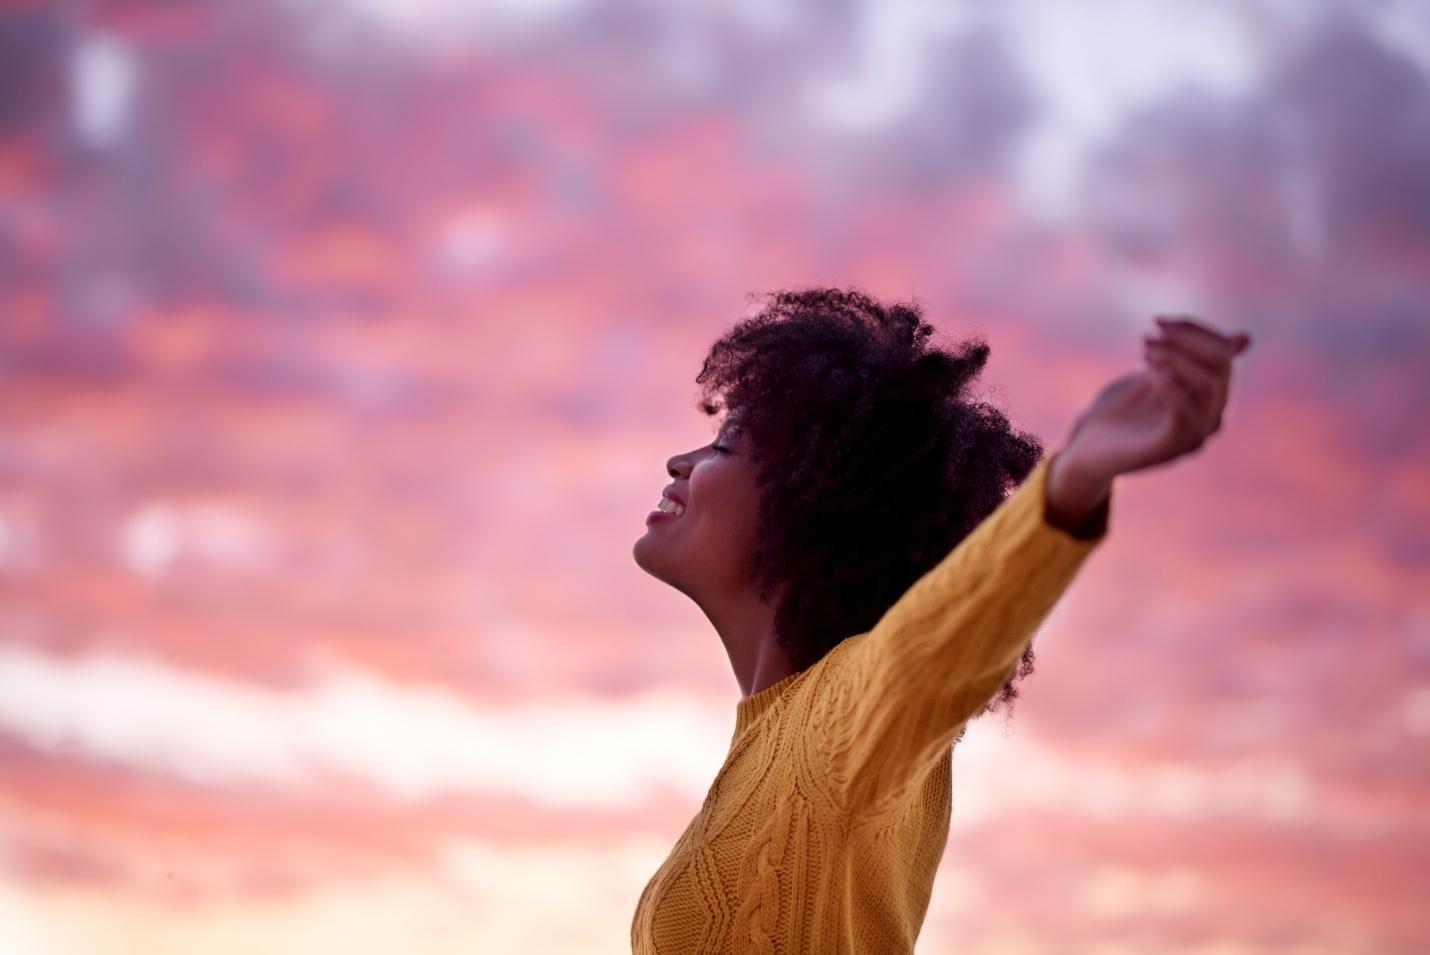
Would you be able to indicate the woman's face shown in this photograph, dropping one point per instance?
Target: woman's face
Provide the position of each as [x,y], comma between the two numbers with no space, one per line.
[709,548]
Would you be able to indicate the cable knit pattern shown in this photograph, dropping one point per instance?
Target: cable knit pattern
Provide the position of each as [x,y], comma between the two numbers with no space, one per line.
[825,825]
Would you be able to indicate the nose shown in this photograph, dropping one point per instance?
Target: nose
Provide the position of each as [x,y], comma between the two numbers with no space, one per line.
[678,465]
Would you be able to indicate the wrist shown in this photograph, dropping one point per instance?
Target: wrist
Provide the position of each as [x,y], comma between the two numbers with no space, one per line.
[1076,496]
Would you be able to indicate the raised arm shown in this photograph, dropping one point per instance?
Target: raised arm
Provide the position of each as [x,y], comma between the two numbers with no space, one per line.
[899,694]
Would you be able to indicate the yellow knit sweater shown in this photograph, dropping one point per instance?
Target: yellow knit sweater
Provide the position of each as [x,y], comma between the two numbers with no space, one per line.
[823,829]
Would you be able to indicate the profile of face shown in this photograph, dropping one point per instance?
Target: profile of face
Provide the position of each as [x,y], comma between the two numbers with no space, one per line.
[706,551]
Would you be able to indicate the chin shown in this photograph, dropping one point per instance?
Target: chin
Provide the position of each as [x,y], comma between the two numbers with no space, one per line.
[642,557]
[637,551]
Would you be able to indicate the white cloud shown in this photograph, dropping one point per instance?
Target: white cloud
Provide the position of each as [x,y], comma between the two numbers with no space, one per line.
[1117,892]
[471,241]
[104,76]
[1403,26]
[484,897]
[995,775]
[1090,63]
[1142,291]
[411,741]
[894,40]
[443,23]
[23,933]
[417,741]
[158,534]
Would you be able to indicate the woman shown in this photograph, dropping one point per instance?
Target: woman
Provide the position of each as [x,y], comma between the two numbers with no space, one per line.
[850,536]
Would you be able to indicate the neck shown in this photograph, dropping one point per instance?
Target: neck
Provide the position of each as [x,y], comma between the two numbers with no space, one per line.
[747,629]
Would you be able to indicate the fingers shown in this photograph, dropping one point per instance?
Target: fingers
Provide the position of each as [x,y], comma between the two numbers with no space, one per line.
[1188,370]
[1208,344]
[1203,390]
[1199,353]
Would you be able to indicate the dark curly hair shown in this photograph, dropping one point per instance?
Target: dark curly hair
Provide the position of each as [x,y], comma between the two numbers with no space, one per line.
[875,459]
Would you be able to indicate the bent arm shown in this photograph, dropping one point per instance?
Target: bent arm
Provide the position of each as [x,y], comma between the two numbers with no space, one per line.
[900,693]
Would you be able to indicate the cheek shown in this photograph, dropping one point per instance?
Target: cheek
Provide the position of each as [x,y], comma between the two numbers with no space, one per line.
[731,504]
[708,496]
[724,495]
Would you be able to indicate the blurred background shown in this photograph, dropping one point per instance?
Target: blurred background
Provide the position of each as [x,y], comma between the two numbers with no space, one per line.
[343,344]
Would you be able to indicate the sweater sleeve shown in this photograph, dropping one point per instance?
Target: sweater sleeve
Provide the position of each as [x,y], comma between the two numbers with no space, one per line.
[904,689]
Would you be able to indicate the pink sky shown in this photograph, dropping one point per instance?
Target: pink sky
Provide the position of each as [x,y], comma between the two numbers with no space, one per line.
[343,344]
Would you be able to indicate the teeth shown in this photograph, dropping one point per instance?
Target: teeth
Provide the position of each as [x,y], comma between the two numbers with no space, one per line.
[670,507]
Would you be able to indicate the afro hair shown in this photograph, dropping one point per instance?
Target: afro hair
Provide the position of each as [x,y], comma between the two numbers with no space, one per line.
[874,458]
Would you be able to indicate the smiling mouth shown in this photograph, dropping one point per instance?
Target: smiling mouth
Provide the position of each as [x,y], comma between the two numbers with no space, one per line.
[666,510]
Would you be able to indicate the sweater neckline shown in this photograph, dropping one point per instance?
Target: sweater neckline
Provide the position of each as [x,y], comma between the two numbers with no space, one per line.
[750,707]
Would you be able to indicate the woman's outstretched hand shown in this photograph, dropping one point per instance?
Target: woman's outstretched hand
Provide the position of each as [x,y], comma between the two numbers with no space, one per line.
[1154,415]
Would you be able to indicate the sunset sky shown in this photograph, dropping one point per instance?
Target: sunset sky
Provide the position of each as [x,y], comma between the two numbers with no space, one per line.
[343,344]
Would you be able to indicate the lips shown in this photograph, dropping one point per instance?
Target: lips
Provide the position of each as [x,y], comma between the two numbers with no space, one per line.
[659,515]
